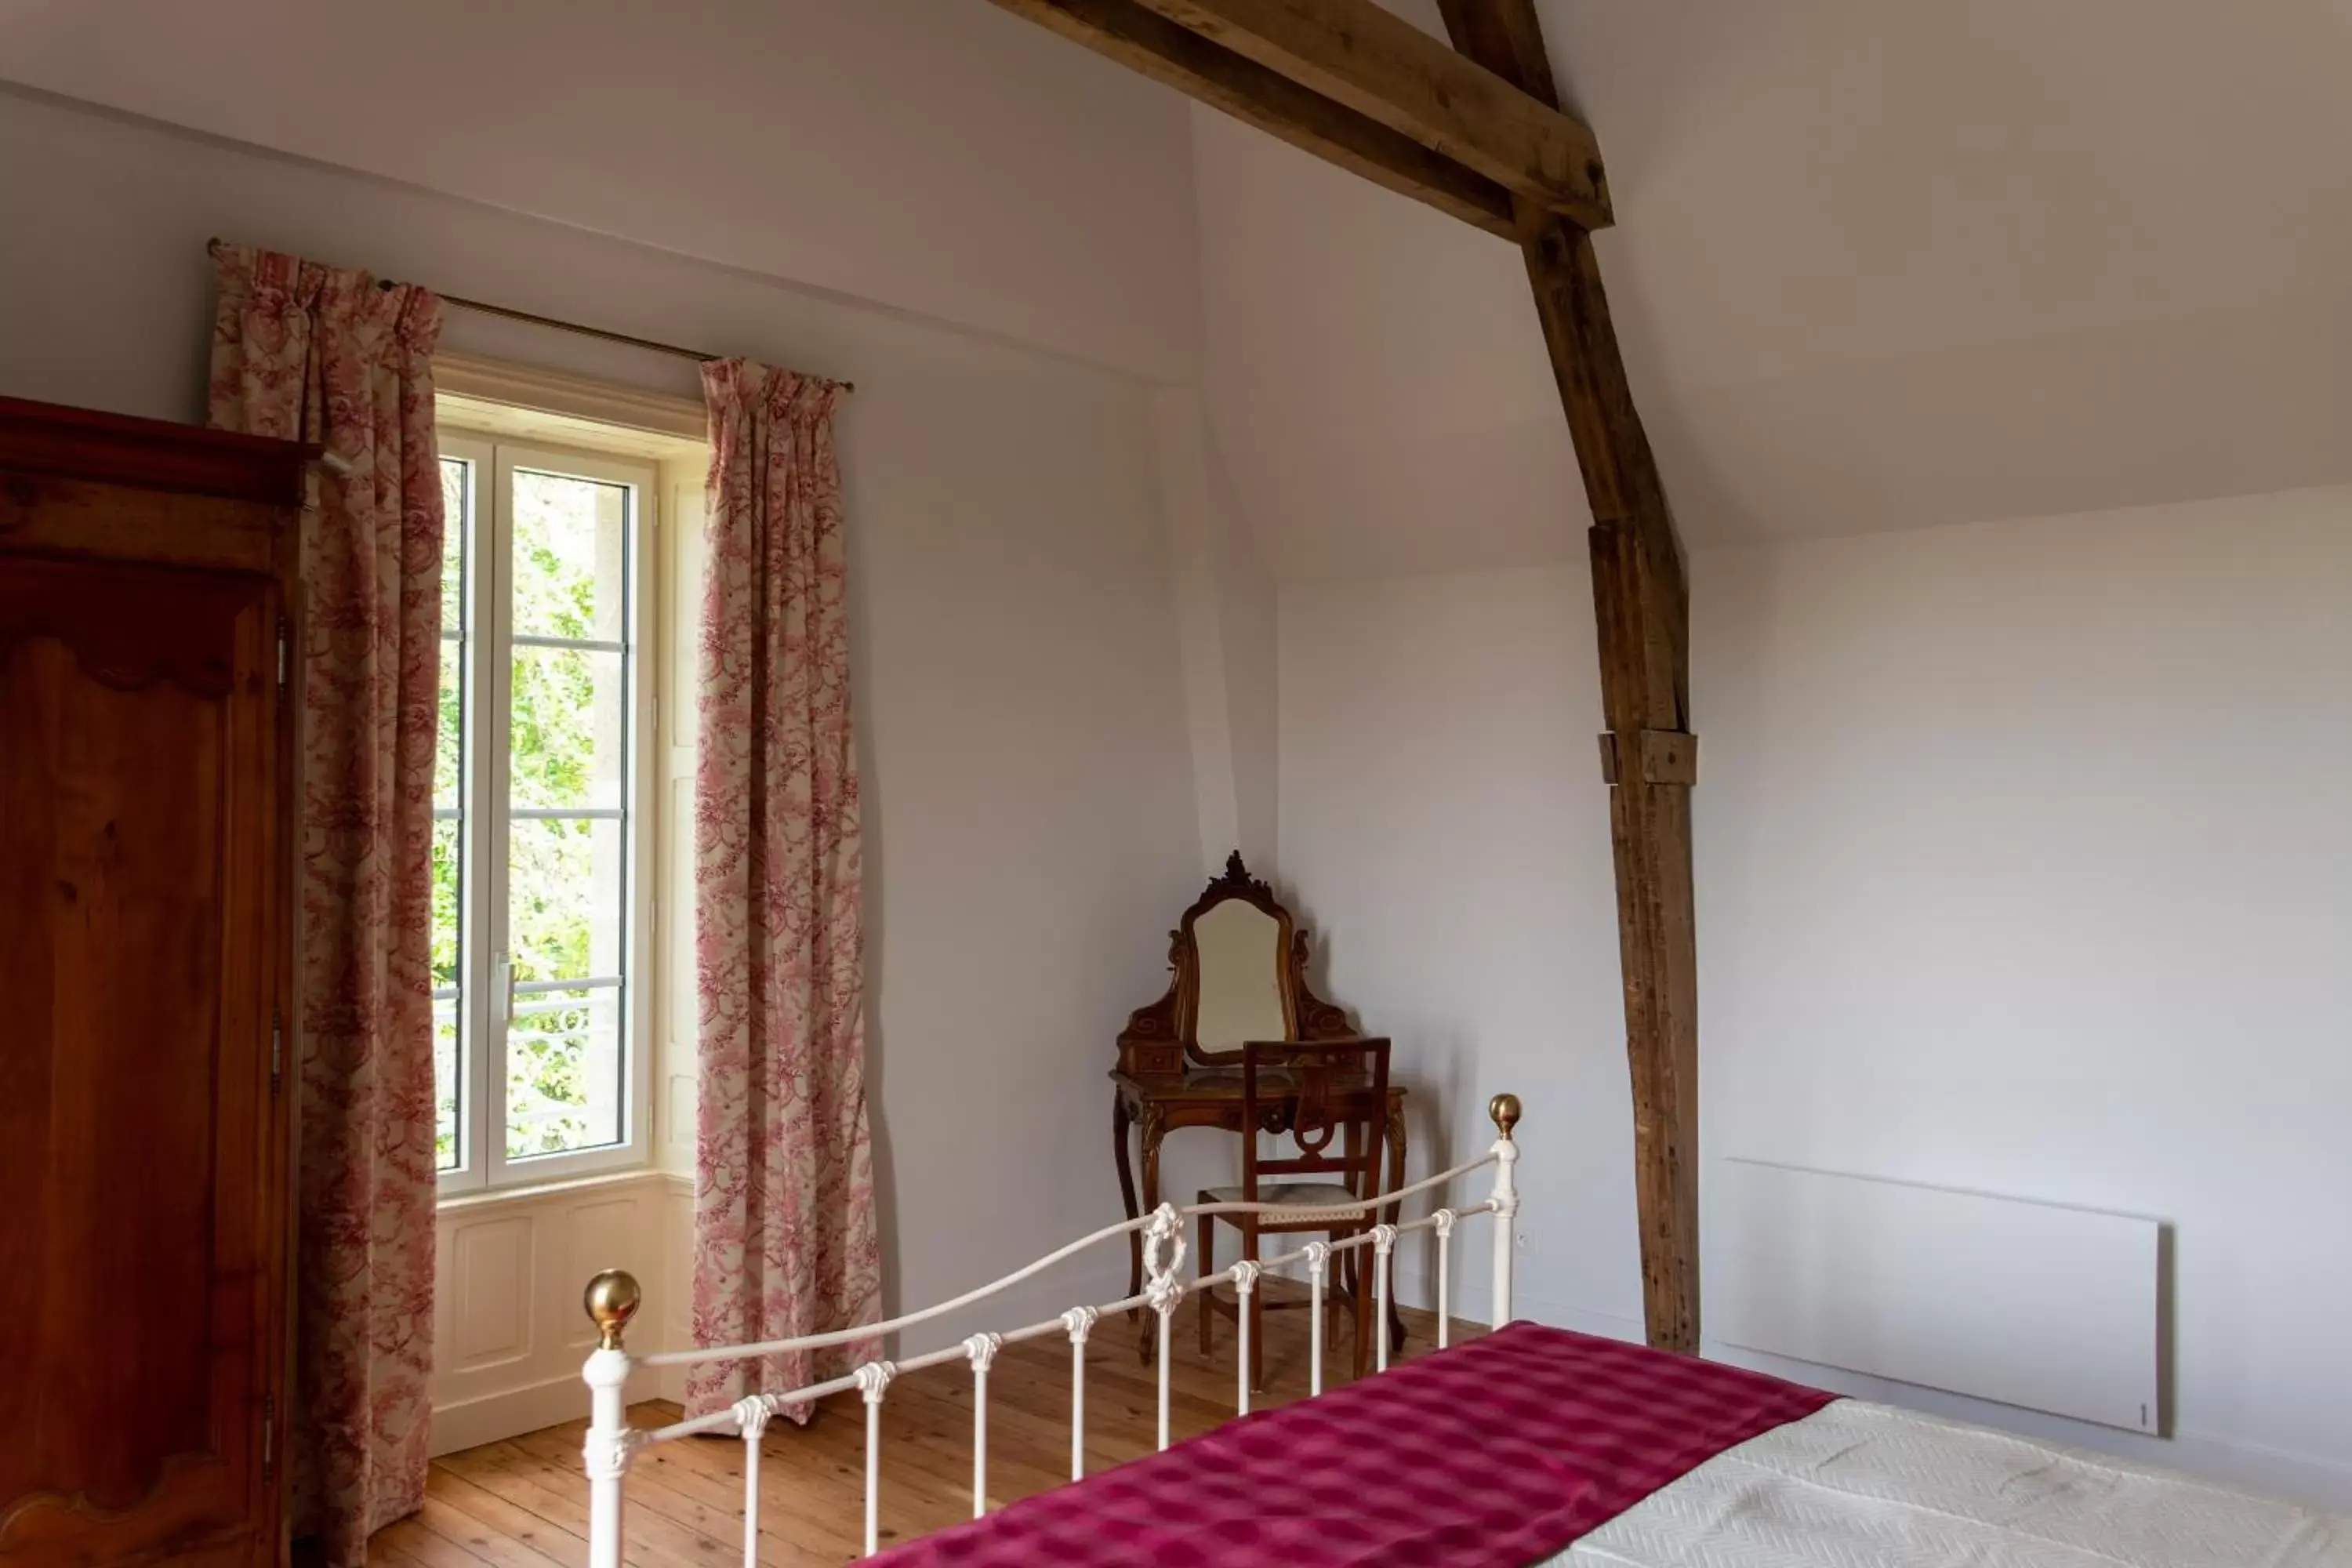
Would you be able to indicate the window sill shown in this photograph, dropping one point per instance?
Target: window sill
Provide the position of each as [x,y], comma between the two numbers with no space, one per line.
[529,1192]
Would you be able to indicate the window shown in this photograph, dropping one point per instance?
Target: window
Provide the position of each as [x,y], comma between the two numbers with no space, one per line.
[541,862]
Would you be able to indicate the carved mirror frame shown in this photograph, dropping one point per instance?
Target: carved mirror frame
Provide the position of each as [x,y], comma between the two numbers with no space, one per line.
[1158,1040]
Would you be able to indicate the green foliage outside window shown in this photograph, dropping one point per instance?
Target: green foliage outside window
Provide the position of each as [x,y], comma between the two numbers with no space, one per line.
[564,874]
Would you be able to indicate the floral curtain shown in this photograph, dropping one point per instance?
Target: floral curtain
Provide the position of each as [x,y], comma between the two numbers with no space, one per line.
[310,352]
[784,1232]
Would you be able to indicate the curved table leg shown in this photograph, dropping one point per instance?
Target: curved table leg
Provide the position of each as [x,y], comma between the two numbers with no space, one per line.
[1155,1128]
[1118,1126]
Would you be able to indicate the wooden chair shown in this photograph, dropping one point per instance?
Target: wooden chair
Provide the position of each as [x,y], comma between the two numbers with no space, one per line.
[1317,1094]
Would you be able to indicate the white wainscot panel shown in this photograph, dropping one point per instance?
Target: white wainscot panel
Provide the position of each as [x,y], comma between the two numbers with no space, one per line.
[490,1292]
[510,1334]
[2025,1303]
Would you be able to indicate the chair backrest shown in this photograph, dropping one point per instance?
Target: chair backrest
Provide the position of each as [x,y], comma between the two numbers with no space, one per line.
[1329,1097]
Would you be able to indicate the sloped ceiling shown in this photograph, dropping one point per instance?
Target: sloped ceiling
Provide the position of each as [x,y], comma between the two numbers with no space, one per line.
[1877,267]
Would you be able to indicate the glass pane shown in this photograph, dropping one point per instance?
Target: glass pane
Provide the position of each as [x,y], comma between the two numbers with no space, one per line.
[569,743]
[564,898]
[454,523]
[449,739]
[571,557]
[445,1083]
[564,1072]
[448,1074]
[449,904]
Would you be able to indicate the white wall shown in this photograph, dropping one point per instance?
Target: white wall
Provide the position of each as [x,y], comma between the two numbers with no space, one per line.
[1030,822]
[1375,373]
[2023,869]
[1225,619]
[1445,831]
[941,157]
[2025,866]
[1027,799]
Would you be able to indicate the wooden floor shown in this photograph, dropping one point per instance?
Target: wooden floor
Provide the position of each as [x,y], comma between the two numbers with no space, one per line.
[524,1501]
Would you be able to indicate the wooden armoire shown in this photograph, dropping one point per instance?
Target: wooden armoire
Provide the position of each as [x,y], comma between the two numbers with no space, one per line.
[148,594]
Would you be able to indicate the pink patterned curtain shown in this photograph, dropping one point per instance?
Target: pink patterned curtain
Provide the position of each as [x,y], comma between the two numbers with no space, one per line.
[783,1222]
[310,352]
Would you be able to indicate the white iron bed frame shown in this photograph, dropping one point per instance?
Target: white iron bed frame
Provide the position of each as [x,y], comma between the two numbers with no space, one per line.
[612,1298]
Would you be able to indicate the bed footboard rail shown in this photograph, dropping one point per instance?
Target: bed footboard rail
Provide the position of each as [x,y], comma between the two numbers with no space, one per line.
[612,1299]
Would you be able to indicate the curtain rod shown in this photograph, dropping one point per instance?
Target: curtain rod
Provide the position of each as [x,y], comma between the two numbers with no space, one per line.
[512,315]
[536,319]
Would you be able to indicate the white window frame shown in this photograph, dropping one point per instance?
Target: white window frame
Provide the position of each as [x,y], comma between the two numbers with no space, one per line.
[484,973]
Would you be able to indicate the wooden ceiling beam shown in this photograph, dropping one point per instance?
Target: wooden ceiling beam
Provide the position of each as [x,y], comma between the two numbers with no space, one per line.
[1355,53]
[1641,612]
[1354,84]
[1141,39]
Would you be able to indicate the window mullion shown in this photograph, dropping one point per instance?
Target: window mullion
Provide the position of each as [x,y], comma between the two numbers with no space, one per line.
[472,854]
[498,664]
[643,796]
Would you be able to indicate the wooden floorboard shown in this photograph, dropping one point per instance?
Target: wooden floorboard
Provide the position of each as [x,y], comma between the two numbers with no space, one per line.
[523,1503]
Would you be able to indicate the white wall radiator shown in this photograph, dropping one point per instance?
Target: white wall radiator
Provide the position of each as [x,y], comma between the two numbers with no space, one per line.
[2031,1304]
[613,1296]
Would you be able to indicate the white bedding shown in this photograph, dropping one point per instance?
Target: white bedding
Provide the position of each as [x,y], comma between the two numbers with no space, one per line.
[1864,1486]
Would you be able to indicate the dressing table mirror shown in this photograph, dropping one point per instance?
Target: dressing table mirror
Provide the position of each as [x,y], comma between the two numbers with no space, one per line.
[1238,951]
[1238,968]
[1237,973]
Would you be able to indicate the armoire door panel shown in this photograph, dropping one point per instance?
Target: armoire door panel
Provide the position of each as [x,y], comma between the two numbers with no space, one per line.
[138,886]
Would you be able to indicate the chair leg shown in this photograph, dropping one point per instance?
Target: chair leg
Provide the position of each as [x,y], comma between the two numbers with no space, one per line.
[1208,1265]
[1343,1289]
[1256,1308]
[1349,1280]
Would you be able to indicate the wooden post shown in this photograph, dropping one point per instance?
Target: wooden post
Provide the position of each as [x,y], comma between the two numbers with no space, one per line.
[1649,757]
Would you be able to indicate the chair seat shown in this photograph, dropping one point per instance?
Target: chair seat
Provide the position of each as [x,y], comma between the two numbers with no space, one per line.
[1291,1195]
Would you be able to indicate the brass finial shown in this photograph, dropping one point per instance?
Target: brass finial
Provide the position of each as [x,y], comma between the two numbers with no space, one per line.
[612,1299]
[1503,1109]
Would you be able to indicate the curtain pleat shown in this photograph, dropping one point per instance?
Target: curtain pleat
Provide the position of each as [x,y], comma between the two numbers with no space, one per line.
[784,1229]
[308,352]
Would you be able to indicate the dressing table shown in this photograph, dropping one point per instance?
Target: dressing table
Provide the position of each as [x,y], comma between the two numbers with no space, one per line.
[1238,973]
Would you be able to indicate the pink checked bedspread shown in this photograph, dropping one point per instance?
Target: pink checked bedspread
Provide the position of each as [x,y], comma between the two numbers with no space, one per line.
[1494,1453]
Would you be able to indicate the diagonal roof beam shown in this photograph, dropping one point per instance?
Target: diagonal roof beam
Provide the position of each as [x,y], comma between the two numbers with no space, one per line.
[1506,39]
[1353,84]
